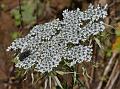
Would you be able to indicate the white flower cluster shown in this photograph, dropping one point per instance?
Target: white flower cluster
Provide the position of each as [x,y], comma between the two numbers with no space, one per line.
[47,44]
[78,54]
[73,22]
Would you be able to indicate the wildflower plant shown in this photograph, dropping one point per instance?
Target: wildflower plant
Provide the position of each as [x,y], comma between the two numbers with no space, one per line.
[48,44]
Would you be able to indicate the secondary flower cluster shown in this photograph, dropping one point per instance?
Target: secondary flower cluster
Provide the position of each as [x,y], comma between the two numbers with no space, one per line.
[48,44]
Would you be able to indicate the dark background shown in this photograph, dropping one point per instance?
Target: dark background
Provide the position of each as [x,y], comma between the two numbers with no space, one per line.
[17,17]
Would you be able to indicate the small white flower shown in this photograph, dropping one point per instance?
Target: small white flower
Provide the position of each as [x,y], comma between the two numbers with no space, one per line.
[48,43]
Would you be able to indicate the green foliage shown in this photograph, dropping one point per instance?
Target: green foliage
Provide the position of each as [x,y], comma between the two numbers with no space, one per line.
[27,12]
[15,35]
[117,32]
[16,15]
[109,52]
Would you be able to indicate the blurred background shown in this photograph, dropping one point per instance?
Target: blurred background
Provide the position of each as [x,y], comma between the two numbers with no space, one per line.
[17,17]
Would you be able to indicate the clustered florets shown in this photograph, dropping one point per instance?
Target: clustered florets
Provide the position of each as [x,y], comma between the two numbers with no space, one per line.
[47,43]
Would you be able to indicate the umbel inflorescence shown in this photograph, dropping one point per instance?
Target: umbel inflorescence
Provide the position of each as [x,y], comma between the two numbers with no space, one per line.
[48,44]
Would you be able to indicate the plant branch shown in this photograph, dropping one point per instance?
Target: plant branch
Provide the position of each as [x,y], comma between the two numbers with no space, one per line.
[107,69]
[113,76]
